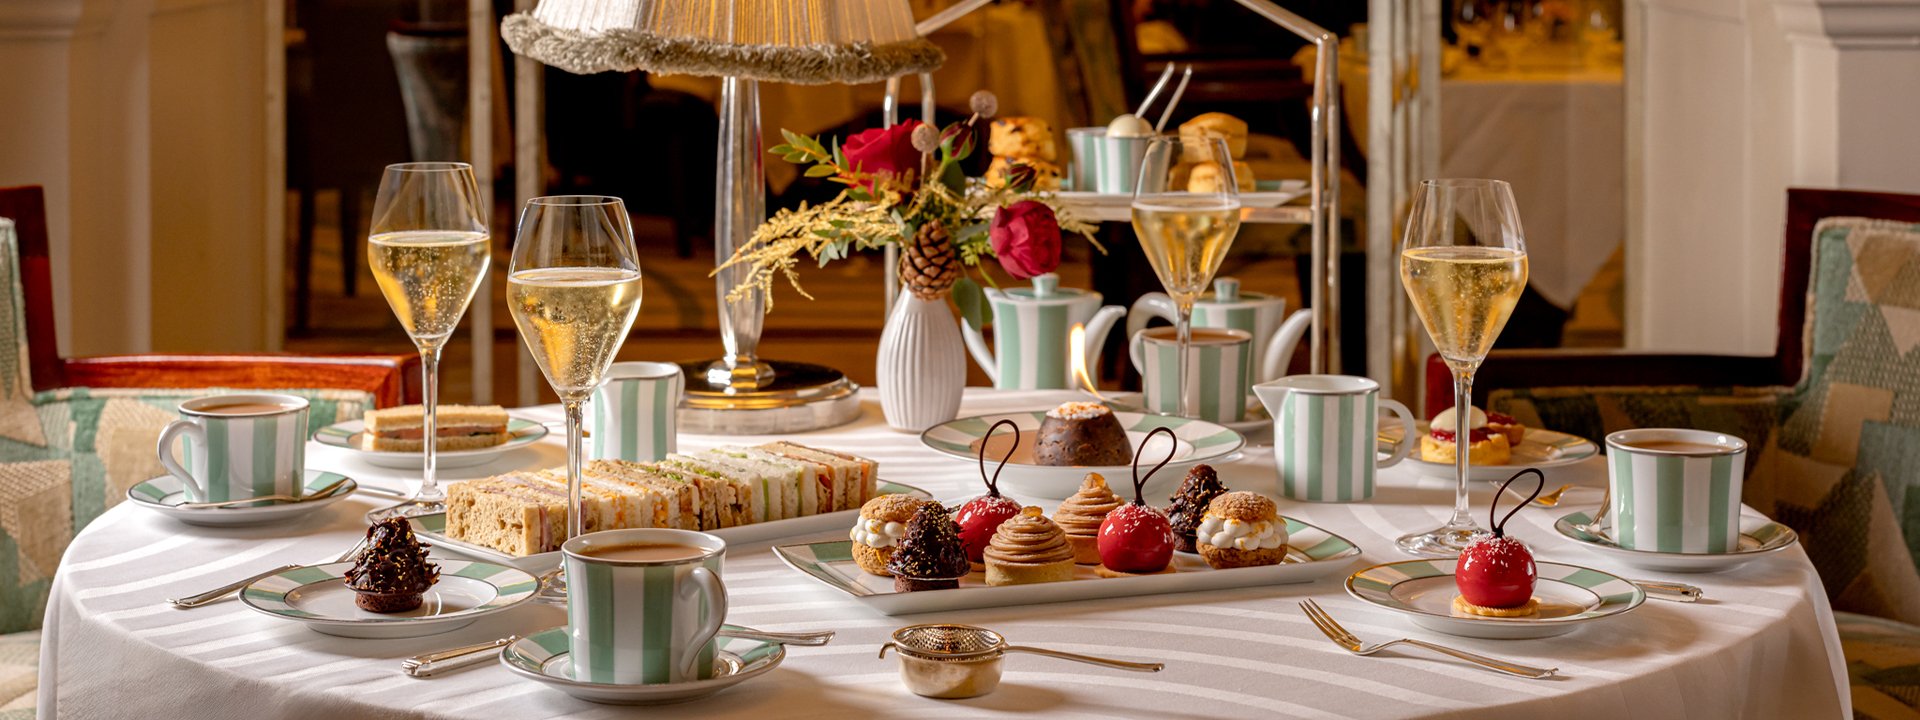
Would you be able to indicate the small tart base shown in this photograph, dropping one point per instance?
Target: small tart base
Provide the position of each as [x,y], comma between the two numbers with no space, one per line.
[1532,607]
[386,602]
[1106,572]
[871,559]
[999,573]
[1086,549]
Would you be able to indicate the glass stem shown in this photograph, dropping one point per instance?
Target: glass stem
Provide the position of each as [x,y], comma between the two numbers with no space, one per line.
[576,517]
[1462,436]
[1183,340]
[430,440]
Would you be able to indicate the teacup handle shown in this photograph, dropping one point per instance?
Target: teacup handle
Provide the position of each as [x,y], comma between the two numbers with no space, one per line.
[1407,436]
[707,583]
[193,433]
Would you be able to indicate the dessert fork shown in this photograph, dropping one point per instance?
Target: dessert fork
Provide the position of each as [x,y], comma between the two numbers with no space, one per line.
[1341,637]
[1551,499]
[194,601]
[310,495]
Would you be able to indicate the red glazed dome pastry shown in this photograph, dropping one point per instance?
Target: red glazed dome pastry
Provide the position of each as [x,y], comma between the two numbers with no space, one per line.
[1242,529]
[1136,538]
[979,517]
[1496,574]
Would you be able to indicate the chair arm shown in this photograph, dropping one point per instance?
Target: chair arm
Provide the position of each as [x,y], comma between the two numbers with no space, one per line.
[390,379]
[1517,369]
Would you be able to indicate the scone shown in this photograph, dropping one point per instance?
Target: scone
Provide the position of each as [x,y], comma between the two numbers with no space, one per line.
[1485,445]
[1206,177]
[1080,517]
[1028,548]
[1506,425]
[1212,125]
[1242,529]
[878,530]
[1028,138]
[1046,175]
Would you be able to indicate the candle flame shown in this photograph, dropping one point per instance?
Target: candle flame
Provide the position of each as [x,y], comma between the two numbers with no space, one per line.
[1077,357]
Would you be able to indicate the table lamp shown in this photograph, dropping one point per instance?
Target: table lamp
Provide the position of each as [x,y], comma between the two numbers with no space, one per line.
[743,42]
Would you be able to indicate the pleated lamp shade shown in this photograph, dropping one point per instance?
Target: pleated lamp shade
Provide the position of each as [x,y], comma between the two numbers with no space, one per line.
[808,42]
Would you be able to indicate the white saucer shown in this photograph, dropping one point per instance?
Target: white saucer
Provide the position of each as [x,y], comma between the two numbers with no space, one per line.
[346,436]
[164,495]
[318,596]
[1195,442]
[1759,537]
[544,657]
[1539,449]
[1423,591]
[1256,420]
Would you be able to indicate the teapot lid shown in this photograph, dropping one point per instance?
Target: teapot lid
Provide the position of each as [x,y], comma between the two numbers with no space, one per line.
[1046,287]
[1227,290]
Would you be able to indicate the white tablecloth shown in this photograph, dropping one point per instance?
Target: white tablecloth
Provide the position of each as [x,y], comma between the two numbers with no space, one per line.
[1762,645]
[1560,140]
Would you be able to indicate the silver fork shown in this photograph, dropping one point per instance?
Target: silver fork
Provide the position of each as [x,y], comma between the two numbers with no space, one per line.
[194,601]
[1341,637]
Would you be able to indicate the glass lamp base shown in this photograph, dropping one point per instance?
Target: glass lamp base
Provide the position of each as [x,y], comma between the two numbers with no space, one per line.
[1442,542]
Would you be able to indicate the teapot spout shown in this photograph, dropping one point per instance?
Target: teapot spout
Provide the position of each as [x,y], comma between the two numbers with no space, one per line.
[1097,329]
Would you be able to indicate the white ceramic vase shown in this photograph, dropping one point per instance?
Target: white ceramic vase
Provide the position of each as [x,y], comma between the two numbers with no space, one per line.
[922,364]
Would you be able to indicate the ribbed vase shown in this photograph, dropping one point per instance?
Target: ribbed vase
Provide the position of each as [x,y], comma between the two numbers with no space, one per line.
[922,364]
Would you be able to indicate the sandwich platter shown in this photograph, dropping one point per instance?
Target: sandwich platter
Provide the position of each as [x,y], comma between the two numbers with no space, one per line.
[349,436]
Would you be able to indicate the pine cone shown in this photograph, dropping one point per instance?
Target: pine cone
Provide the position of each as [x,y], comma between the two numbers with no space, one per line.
[930,266]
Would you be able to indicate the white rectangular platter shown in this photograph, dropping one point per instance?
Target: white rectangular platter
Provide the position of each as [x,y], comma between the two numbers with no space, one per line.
[1312,554]
[433,528]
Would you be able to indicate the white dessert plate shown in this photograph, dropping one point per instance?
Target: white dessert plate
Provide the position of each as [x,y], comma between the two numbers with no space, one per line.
[545,658]
[1267,193]
[165,496]
[346,436]
[1256,419]
[318,596]
[1539,449]
[1312,553]
[1423,590]
[1759,537]
[434,527]
[1196,442]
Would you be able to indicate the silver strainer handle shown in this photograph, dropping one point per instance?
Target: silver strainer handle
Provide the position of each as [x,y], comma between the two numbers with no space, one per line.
[1089,659]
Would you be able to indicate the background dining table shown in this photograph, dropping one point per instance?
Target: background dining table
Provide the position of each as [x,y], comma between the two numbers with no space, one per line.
[1761,645]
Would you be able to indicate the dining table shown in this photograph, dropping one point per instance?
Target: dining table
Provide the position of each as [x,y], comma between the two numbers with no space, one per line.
[1760,644]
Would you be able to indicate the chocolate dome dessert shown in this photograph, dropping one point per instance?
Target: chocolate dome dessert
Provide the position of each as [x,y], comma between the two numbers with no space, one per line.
[392,573]
[1190,502]
[1082,433]
[930,556]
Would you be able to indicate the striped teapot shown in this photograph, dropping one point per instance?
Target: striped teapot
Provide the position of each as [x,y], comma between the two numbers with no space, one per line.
[1274,332]
[1031,327]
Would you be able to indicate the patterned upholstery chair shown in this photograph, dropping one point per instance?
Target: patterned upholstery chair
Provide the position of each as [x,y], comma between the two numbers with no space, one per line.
[1837,435]
[75,433]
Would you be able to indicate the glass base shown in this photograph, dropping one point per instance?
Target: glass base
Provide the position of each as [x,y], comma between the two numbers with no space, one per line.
[410,508]
[1442,542]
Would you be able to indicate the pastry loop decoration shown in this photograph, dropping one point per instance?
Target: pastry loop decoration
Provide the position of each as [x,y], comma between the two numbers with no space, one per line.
[1140,481]
[993,483]
[1499,528]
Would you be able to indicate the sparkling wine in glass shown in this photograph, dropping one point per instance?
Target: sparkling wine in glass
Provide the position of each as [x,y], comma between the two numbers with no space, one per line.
[573,288]
[428,249]
[1186,212]
[1464,264]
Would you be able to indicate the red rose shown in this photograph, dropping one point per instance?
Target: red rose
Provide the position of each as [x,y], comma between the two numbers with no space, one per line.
[883,150]
[1026,238]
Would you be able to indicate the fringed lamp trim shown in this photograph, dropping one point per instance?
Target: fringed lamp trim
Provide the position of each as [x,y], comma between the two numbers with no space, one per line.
[625,50]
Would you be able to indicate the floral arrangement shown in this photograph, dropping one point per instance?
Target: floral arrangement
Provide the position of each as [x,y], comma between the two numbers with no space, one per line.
[904,185]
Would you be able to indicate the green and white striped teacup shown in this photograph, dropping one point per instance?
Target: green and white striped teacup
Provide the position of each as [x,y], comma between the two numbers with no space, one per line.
[1675,490]
[238,446]
[1323,435]
[1220,367]
[643,622]
[634,412]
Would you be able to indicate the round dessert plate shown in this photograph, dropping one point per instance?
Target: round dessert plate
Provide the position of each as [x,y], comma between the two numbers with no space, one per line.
[1266,194]
[318,596]
[346,436]
[165,496]
[1196,441]
[1423,590]
[544,657]
[1256,420]
[1759,537]
[1539,449]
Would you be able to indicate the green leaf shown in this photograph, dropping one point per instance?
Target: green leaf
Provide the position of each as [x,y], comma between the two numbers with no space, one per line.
[793,138]
[972,302]
[838,158]
[952,177]
[820,171]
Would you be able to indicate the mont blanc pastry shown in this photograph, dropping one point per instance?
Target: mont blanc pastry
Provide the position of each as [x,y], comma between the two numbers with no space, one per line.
[878,530]
[1082,433]
[1080,517]
[1242,529]
[1028,548]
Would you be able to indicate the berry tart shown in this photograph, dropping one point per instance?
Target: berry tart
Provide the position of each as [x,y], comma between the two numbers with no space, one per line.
[1496,574]
[929,556]
[1490,440]
[1082,433]
[1028,548]
[1242,529]
[882,522]
[1137,538]
[1080,517]
[982,515]
[1189,505]
[392,574]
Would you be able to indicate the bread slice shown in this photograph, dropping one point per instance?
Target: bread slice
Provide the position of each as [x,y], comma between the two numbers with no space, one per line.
[515,517]
[767,501]
[601,507]
[724,502]
[456,427]
[859,476]
[680,502]
[785,482]
[630,505]
[804,478]
[826,484]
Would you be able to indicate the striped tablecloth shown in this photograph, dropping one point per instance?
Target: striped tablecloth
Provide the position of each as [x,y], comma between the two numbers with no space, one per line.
[1762,645]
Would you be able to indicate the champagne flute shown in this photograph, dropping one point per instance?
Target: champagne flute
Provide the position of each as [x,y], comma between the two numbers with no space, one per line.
[573,287]
[1186,212]
[1464,264]
[427,247]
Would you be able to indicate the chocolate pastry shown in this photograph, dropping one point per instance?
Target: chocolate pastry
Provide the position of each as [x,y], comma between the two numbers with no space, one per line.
[930,555]
[1082,433]
[392,573]
[1190,502]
